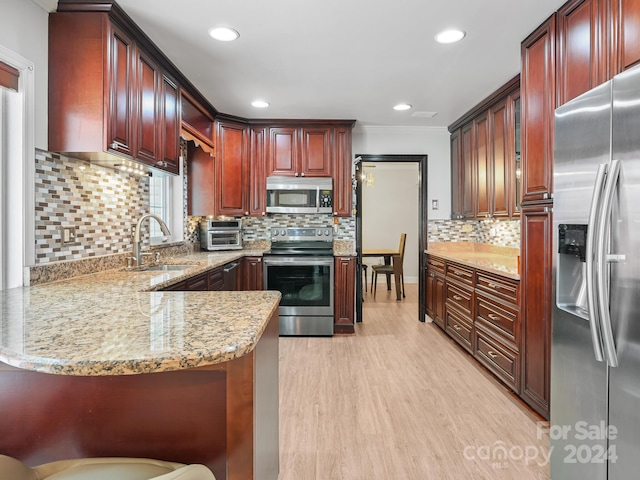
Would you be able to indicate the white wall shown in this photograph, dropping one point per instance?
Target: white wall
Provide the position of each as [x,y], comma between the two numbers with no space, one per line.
[433,141]
[389,208]
[400,201]
[24,30]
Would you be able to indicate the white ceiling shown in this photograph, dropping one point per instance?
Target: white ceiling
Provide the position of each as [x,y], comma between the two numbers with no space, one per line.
[349,59]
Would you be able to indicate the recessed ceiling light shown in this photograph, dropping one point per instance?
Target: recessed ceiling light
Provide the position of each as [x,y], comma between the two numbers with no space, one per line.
[260,104]
[224,34]
[402,106]
[450,36]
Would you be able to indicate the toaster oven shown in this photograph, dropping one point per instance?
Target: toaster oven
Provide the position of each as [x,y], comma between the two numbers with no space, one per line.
[221,234]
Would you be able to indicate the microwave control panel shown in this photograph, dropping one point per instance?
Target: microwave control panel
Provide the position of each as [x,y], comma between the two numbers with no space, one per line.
[326,198]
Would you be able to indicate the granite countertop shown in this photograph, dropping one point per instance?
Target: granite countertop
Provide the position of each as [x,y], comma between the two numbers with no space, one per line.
[490,258]
[116,322]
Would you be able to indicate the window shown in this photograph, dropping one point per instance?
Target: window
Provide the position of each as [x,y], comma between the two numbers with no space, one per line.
[166,200]
[160,205]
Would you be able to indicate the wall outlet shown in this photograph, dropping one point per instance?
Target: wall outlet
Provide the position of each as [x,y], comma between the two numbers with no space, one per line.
[467,227]
[492,232]
[68,235]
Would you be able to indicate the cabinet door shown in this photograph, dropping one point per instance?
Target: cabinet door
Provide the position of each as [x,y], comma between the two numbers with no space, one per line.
[258,171]
[344,294]
[536,307]
[482,166]
[252,273]
[121,92]
[283,151]
[342,190]
[431,295]
[231,169]
[468,171]
[538,105]
[169,126]
[315,158]
[581,61]
[147,117]
[439,297]
[201,182]
[457,188]
[626,20]
[501,158]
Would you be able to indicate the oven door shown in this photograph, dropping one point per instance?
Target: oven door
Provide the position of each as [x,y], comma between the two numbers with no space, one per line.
[305,282]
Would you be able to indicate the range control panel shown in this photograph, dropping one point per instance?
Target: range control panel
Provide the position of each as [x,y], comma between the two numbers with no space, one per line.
[279,234]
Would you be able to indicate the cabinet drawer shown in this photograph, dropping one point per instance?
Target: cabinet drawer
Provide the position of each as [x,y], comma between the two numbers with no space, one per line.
[460,273]
[435,264]
[500,287]
[198,283]
[459,329]
[216,279]
[499,316]
[461,299]
[498,358]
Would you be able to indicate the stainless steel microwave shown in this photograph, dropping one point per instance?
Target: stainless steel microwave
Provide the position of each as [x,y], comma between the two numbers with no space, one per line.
[299,195]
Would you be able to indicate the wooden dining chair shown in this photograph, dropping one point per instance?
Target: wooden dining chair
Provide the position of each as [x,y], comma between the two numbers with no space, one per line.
[395,268]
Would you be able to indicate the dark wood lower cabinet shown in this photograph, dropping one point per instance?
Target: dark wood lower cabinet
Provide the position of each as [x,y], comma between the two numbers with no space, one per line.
[435,298]
[536,307]
[251,273]
[344,295]
[224,416]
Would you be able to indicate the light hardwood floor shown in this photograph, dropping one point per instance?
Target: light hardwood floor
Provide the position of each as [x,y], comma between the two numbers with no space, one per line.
[399,400]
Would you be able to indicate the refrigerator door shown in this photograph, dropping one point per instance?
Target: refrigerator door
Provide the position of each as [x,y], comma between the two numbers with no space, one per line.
[578,381]
[624,381]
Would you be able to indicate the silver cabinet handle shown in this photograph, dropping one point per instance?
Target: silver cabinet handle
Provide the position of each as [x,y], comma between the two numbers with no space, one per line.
[457,328]
[594,313]
[457,298]
[492,316]
[492,354]
[494,285]
[604,227]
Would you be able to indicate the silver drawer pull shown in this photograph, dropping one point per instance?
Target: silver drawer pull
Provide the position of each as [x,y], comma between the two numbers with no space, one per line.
[457,328]
[492,316]
[457,298]
[494,285]
[460,274]
[492,354]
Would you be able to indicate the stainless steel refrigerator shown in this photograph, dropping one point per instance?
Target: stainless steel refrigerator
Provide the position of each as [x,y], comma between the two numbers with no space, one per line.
[595,351]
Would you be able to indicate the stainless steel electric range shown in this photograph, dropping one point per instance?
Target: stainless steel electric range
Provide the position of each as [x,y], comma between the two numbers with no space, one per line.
[300,266]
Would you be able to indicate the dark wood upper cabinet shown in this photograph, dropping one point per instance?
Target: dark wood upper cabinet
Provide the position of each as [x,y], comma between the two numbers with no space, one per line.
[538,94]
[315,158]
[201,200]
[482,166]
[467,163]
[457,188]
[284,151]
[626,34]
[502,158]
[258,174]
[581,58]
[232,168]
[197,123]
[107,97]
[342,189]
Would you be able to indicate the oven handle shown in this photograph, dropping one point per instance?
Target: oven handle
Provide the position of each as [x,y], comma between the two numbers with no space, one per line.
[301,260]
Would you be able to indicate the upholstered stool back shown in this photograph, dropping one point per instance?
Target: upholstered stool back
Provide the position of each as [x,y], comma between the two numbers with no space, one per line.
[103,469]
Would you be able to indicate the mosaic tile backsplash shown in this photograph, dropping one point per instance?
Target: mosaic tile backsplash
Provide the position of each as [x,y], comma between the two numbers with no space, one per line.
[504,233]
[100,203]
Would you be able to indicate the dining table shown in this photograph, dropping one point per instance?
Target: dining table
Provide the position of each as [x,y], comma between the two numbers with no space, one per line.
[386,253]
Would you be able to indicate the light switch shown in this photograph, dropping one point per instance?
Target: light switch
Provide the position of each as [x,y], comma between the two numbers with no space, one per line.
[68,235]
[435,204]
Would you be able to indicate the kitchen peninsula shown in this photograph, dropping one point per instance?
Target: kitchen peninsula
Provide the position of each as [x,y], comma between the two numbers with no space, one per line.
[108,365]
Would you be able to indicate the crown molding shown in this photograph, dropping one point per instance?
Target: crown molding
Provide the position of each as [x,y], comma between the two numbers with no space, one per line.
[47,5]
[399,129]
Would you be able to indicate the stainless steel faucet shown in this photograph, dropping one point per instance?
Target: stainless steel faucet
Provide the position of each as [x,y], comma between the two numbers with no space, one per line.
[137,241]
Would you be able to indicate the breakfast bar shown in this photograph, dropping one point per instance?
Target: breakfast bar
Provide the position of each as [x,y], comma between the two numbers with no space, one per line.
[110,365]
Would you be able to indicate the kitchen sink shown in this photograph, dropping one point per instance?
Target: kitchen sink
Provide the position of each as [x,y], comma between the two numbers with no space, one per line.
[162,268]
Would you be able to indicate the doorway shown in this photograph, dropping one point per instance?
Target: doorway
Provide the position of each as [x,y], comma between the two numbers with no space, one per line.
[423,221]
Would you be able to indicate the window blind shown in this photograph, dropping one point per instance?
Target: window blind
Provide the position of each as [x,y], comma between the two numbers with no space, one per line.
[9,76]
